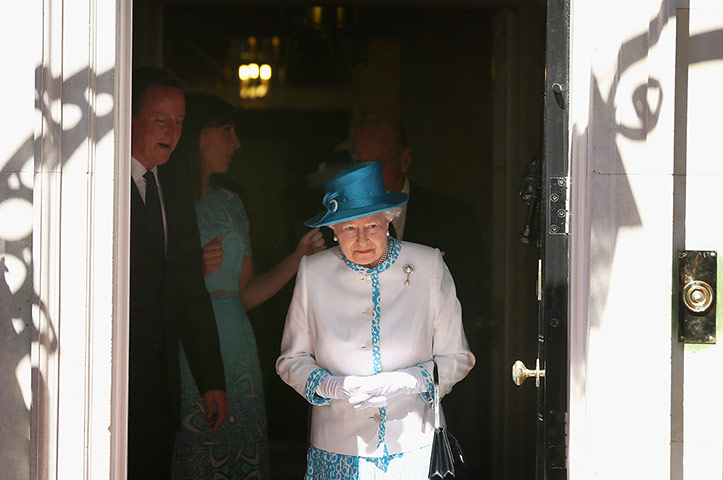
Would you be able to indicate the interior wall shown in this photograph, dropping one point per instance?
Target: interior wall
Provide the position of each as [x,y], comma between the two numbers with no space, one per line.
[517,91]
[279,148]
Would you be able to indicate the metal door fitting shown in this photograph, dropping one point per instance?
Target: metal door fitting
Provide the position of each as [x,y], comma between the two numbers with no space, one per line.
[697,272]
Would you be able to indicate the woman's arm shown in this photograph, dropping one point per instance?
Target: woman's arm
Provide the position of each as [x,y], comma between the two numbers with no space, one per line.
[256,289]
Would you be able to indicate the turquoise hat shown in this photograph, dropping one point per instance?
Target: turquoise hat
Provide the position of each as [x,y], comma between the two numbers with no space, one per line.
[356,192]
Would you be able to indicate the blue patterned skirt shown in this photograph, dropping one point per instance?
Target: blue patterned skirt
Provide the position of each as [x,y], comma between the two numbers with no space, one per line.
[238,450]
[323,465]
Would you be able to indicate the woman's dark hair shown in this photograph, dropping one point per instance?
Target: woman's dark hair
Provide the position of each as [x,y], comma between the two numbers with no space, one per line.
[202,111]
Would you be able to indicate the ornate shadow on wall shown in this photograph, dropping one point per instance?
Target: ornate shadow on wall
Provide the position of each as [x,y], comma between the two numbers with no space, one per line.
[604,110]
[646,100]
[24,318]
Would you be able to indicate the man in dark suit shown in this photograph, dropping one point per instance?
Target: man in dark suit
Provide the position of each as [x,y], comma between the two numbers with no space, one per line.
[431,218]
[169,301]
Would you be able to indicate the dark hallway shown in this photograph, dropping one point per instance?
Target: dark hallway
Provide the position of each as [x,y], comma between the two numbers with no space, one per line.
[466,80]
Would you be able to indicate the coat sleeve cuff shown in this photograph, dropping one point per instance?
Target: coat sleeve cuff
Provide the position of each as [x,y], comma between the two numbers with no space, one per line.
[312,383]
[428,393]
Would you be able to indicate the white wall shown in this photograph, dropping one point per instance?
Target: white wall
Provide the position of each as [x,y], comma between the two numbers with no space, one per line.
[698,412]
[646,143]
[622,111]
[17,96]
[63,238]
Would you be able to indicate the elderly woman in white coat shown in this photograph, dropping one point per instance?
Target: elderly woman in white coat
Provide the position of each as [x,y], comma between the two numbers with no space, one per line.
[367,322]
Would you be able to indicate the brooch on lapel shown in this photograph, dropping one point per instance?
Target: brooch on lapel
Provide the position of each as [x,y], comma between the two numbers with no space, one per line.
[409,270]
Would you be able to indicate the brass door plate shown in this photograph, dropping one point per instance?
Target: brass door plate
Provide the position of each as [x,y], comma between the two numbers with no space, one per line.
[697,275]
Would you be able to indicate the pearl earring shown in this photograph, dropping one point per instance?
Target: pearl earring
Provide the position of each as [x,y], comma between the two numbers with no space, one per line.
[387,233]
[336,239]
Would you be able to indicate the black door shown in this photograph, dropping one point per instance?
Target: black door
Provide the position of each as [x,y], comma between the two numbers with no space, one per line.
[550,371]
[553,312]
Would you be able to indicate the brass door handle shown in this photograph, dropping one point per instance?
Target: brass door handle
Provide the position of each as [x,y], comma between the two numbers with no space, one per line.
[520,373]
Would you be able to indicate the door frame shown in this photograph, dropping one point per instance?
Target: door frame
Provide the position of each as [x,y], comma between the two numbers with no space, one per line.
[121,254]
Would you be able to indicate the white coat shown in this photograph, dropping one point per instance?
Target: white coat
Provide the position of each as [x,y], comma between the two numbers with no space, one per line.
[345,319]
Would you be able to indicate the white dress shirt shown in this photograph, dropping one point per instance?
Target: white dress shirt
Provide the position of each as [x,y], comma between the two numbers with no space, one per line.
[345,319]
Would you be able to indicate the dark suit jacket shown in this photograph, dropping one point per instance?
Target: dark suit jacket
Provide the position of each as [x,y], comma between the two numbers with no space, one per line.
[169,302]
[451,225]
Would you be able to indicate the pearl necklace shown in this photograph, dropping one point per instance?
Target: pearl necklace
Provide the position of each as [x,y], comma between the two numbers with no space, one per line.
[383,257]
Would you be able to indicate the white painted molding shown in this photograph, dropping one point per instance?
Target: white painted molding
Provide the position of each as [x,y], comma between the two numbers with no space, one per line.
[81,241]
[121,249]
[46,193]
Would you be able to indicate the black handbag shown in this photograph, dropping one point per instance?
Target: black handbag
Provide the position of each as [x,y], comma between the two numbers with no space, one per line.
[447,460]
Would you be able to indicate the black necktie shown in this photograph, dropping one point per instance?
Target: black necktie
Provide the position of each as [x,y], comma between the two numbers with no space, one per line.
[155,216]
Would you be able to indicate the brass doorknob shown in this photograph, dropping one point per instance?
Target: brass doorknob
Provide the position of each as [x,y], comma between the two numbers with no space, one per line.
[520,373]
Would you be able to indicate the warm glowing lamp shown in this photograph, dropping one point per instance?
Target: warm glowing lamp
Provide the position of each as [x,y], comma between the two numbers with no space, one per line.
[254,70]
[265,72]
[243,72]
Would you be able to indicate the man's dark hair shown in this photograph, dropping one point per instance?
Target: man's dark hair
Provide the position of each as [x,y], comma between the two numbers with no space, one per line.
[145,77]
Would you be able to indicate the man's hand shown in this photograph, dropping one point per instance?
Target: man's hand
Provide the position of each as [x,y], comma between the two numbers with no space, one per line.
[212,256]
[218,399]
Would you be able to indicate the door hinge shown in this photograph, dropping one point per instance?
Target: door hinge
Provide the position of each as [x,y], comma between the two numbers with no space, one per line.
[558,207]
[556,441]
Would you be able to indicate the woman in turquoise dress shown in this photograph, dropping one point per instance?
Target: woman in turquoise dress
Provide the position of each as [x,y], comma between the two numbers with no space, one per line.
[239,448]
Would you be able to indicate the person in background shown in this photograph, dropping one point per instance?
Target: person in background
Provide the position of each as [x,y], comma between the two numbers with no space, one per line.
[239,449]
[445,222]
[368,321]
[456,231]
[168,300]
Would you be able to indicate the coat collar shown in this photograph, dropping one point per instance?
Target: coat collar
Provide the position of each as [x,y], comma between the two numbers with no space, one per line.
[395,247]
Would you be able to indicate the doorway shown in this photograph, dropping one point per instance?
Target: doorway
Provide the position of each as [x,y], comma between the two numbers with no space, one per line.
[466,79]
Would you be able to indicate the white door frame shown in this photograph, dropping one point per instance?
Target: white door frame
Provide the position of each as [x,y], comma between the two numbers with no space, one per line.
[121,253]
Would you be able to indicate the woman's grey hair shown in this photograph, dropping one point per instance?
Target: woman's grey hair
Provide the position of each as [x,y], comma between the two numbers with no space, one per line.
[392,213]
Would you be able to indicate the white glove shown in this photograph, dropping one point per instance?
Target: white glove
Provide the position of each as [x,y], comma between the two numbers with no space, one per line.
[342,388]
[371,402]
[407,381]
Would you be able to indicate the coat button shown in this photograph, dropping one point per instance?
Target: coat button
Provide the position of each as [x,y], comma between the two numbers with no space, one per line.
[369,312]
[367,346]
[377,418]
[368,278]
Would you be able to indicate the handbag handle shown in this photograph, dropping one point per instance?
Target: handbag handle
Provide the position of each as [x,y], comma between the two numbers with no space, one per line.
[435,400]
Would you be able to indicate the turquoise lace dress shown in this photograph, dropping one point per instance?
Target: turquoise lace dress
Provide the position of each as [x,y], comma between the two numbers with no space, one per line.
[239,449]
